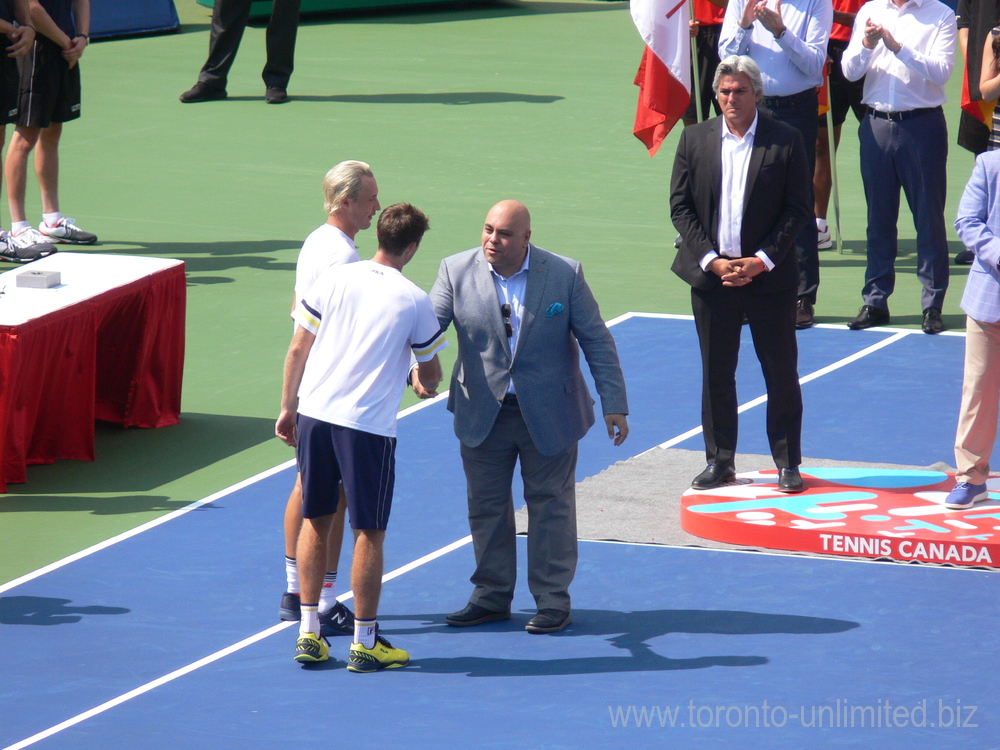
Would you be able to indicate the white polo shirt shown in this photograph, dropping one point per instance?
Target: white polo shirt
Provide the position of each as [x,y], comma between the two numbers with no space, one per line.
[325,247]
[367,318]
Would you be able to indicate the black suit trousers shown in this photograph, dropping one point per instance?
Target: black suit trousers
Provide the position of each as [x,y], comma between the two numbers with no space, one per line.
[718,316]
[229,20]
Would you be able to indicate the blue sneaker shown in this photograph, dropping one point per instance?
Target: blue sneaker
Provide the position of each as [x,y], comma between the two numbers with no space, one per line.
[965,495]
[291,607]
[338,621]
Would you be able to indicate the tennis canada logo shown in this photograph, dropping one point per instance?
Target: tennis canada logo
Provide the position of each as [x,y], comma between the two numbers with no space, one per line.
[851,511]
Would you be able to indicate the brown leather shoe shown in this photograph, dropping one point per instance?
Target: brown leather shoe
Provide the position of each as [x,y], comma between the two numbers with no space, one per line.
[804,314]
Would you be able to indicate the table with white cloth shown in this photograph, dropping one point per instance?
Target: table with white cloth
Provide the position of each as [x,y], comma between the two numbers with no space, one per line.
[106,343]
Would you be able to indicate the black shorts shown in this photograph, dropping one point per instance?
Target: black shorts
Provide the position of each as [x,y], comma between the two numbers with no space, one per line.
[843,94]
[10,85]
[328,454]
[50,89]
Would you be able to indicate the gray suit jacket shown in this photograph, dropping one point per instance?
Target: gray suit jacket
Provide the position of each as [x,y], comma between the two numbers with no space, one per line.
[554,399]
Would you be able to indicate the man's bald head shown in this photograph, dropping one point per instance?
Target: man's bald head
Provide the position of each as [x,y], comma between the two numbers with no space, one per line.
[506,232]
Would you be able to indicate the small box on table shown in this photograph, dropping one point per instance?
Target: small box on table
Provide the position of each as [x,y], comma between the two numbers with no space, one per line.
[38,279]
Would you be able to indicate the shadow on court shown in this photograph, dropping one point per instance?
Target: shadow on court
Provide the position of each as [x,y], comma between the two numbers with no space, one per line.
[630,632]
[138,460]
[43,610]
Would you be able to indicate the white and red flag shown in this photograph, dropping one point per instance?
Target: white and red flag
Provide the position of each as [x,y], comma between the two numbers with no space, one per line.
[664,77]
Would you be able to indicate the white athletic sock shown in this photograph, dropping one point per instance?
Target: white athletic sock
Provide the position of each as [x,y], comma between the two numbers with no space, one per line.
[365,632]
[291,575]
[821,225]
[310,620]
[51,219]
[16,227]
[328,594]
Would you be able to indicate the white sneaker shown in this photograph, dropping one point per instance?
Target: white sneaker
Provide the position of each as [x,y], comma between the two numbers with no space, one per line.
[824,242]
[66,230]
[25,246]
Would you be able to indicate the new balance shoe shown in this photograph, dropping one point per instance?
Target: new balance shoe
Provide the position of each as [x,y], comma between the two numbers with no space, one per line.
[291,607]
[382,656]
[823,239]
[310,649]
[11,252]
[338,621]
[965,495]
[66,230]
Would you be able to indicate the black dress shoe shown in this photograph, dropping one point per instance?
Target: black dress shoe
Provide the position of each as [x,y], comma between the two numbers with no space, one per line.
[789,480]
[473,614]
[713,476]
[932,321]
[965,257]
[275,95]
[202,92]
[548,621]
[804,314]
[869,316]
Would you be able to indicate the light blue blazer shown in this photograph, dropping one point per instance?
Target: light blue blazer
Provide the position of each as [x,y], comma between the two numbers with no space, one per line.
[978,226]
[559,312]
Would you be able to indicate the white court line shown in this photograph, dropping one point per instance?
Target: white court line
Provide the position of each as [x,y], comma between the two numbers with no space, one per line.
[177,673]
[144,527]
[806,379]
[180,511]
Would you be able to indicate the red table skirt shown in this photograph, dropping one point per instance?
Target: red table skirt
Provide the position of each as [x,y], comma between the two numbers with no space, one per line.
[118,357]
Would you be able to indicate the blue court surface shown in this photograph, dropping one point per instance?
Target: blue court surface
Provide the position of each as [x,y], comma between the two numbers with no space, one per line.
[168,638]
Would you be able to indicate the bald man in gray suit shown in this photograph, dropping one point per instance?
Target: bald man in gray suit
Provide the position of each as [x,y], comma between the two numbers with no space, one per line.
[521,316]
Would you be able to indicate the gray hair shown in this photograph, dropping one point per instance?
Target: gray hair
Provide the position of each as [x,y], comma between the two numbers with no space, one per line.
[739,64]
[344,181]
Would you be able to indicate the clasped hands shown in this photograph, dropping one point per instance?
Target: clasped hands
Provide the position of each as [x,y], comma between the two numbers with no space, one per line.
[757,10]
[736,271]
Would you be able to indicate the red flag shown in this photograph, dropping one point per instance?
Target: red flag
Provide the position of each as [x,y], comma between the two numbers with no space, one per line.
[982,111]
[665,69]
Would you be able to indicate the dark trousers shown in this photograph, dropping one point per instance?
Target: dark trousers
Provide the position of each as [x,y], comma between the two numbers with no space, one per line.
[718,316]
[912,154]
[229,20]
[800,111]
[550,494]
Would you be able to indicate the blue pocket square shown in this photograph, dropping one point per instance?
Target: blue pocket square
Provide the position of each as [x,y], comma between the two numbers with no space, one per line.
[554,309]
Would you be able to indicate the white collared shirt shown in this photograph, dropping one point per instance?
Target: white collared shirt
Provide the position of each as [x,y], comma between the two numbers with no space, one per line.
[915,76]
[511,291]
[735,163]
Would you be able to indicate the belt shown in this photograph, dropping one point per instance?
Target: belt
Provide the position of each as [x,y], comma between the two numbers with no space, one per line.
[510,400]
[773,102]
[906,114]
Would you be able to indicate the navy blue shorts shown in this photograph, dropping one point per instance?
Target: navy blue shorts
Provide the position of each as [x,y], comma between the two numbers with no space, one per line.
[329,454]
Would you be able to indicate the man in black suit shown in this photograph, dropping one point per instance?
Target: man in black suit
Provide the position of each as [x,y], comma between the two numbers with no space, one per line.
[740,193]
[229,21]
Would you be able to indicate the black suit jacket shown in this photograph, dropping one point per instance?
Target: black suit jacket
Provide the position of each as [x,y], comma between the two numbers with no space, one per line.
[778,201]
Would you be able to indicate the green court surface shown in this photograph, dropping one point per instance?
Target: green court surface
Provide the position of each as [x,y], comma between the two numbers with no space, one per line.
[455,108]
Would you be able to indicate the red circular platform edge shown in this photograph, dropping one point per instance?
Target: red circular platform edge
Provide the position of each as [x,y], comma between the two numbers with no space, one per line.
[847,540]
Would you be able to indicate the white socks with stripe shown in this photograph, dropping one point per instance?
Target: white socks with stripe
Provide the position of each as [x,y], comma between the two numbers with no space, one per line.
[365,632]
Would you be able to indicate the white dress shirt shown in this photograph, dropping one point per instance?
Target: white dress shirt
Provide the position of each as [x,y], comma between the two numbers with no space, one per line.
[794,62]
[915,76]
[736,153]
